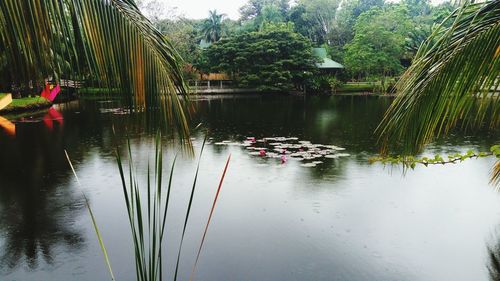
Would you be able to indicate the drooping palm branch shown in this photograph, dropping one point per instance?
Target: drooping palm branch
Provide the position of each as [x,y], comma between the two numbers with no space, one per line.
[454,79]
[107,40]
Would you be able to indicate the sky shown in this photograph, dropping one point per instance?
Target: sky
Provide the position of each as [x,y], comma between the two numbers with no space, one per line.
[198,9]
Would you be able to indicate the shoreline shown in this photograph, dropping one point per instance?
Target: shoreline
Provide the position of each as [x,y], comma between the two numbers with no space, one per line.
[33,104]
[26,105]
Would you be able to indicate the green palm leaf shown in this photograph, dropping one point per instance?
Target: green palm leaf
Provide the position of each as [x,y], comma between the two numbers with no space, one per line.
[453,80]
[108,40]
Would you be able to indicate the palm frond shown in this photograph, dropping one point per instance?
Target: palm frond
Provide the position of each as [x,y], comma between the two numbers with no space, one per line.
[495,175]
[454,79]
[107,40]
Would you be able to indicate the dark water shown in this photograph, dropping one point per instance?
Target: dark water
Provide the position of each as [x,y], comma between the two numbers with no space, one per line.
[341,220]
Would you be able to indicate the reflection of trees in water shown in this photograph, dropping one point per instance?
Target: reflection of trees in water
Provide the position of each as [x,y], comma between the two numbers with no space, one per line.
[344,121]
[494,259]
[34,223]
[494,263]
[37,213]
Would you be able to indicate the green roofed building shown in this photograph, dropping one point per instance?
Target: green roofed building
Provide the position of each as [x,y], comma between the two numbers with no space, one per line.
[326,64]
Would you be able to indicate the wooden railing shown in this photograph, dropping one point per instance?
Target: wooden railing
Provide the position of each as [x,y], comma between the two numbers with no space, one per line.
[71,84]
[204,85]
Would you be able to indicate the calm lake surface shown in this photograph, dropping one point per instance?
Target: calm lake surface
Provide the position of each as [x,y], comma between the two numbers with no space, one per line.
[341,220]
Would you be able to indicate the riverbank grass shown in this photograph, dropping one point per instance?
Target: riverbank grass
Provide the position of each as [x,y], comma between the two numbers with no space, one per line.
[26,104]
[357,87]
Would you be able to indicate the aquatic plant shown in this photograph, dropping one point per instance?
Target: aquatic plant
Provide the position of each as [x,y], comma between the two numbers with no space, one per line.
[147,213]
[148,217]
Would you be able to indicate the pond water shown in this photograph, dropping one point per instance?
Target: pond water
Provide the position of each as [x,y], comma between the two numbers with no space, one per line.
[343,219]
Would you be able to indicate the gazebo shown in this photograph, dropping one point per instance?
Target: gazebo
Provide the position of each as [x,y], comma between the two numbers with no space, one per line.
[326,65]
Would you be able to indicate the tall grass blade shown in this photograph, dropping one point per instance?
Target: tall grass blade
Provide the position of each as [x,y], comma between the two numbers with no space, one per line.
[209,218]
[189,210]
[94,222]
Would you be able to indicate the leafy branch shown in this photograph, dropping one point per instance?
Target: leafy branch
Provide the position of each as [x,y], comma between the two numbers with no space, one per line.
[411,161]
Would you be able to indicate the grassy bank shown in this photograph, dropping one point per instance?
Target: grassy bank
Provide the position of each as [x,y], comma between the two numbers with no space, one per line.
[358,87]
[98,91]
[26,104]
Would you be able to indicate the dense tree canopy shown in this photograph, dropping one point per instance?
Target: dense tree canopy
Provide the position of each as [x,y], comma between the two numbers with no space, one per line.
[378,44]
[274,59]
[372,38]
[254,8]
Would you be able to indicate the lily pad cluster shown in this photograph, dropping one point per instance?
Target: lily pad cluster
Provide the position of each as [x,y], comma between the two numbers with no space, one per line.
[285,148]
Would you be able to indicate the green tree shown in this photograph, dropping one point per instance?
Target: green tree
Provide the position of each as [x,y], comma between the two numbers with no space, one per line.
[184,35]
[270,14]
[319,17]
[424,19]
[342,31]
[253,8]
[303,24]
[213,27]
[378,43]
[274,59]
[417,7]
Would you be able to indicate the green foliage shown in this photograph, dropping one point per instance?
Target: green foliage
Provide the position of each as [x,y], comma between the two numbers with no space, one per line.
[184,35]
[302,23]
[89,91]
[450,82]
[275,59]
[319,17]
[110,41]
[147,213]
[417,7]
[358,87]
[32,101]
[346,19]
[411,161]
[416,38]
[324,84]
[213,27]
[377,47]
[254,8]
[495,150]
[27,104]
[257,12]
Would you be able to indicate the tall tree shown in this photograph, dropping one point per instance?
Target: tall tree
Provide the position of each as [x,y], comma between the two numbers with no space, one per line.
[417,7]
[345,19]
[213,27]
[321,13]
[377,47]
[184,34]
[274,59]
[253,8]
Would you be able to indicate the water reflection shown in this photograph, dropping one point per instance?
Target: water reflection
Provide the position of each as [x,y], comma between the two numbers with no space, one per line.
[37,209]
[494,263]
[342,218]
